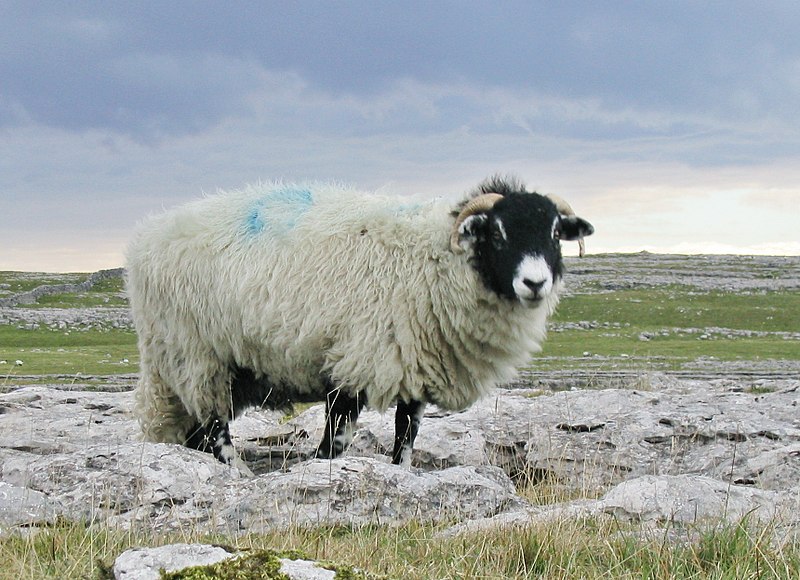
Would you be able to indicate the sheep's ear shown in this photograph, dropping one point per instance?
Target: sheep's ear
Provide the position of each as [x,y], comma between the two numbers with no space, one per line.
[471,230]
[575,228]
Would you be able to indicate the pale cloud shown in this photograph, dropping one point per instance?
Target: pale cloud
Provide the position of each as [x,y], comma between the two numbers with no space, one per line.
[783,199]
[668,128]
[110,182]
[85,29]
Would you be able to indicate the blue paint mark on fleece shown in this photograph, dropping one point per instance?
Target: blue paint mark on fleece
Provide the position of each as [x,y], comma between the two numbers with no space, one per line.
[277,212]
[407,208]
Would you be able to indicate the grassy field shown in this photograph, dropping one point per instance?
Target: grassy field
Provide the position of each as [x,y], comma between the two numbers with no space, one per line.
[15,282]
[67,351]
[562,549]
[76,353]
[674,326]
[670,326]
[642,329]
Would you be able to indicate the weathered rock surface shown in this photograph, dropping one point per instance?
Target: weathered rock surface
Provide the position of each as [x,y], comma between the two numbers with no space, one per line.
[653,500]
[705,272]
[67,319]
[22,505]
[32,296]
[590,440]
[170,488]
[76,454]
[680,453]
[147,563]
[686,499]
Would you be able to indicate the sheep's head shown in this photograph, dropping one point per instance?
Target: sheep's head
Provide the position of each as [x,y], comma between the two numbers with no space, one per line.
[514,238]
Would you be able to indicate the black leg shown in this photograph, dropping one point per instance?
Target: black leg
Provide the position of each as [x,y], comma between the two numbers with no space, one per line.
[213,437]
[198,438]
[341,414]
[406,426]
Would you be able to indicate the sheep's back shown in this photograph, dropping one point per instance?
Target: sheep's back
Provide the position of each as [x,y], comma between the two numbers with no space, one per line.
[306,282]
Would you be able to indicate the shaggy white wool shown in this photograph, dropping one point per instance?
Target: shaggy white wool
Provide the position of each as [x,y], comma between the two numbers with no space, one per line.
[303,282]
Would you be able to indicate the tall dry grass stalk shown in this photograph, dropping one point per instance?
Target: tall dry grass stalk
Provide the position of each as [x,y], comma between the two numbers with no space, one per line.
[564,548]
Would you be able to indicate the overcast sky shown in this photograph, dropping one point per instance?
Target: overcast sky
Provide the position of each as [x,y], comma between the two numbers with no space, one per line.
[672,126]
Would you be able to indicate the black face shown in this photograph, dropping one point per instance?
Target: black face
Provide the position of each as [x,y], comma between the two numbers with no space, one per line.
[517,245]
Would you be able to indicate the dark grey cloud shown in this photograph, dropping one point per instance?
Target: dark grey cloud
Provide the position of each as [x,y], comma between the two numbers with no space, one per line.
[96,66]
[153,68]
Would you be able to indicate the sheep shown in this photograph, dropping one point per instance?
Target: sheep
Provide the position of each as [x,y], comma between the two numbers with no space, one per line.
[279,294]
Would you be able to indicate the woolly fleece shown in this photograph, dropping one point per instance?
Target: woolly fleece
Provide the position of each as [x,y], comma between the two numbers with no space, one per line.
[300,283]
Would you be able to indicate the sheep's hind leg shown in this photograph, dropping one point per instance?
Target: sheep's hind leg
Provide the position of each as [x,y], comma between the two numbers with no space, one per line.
[406,426]
[341,414]
[215,437]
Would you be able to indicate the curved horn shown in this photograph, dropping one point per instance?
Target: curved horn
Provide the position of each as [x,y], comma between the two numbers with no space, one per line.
[565,209]
[479,204]
[561,204]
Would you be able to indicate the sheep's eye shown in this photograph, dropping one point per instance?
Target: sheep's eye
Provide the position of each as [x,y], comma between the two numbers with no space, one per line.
[556,234]
[498,240]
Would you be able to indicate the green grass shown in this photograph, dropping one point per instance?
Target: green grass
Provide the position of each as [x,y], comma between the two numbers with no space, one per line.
[24,281]
[73,361]
[675,320]
[82,300]
[89,352]
[107,292]
[48,338]
[665,313]
[676,346]
[71,351]
[564,548]
[677,306]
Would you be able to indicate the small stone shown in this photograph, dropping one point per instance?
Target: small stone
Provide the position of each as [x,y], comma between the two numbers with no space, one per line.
[146,563]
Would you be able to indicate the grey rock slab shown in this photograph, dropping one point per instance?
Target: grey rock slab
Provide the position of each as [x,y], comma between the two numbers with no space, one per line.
[147,563]
[124,482]
[688,499]
[305,570]
[267,443]
[657,500]
[362,490]
[771,469]
[22,506]
[169,487]
[527,516]
[80,450]
[704,272]
[46,421]
[67,319]
[594,439]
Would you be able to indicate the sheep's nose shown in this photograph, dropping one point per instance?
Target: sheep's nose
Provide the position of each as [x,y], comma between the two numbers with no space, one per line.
[535,287]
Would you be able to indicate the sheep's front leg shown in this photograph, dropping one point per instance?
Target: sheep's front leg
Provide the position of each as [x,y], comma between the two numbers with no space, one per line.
[341,414]
[215,437]
[406,426]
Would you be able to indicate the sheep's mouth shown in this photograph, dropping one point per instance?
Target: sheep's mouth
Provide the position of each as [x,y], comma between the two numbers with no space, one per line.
[531,301]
